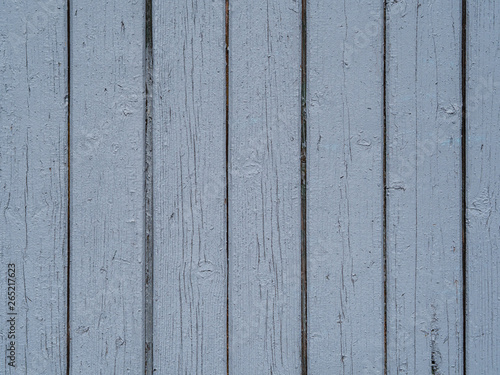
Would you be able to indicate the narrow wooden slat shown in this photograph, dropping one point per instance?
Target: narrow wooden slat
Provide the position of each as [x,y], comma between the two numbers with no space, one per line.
[189,188]
[424,239]
[345,187]
[483,187]
[107,187]
[264,187]
[33,186]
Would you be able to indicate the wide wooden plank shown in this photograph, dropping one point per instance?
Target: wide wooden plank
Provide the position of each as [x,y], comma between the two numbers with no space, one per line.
[107,187]
[33,187]
[424,197]
[264,187]
[189,187]
[345,310]
[483,187]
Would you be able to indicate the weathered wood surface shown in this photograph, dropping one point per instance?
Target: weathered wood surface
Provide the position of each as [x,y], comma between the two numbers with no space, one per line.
[220,197]
[483,188]
[107,187]
[345,188]
[33,184]
[264,187]
[189,187]
[424,201]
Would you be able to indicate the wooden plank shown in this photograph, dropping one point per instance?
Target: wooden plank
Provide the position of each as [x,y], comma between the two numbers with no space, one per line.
[264,187]
[33,188]
[483,188]
[345,311]
[189,188]
[107,187]
[424,239]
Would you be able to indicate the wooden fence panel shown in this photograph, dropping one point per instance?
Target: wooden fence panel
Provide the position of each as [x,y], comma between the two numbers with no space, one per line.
[189,187]
[264,187]
[107,187]
[483,188]
[345,311]
[424,195]
[33,187]
[249,187]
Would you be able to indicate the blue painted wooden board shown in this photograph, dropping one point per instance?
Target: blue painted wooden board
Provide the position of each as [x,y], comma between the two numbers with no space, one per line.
[107,234]
[483,188]
[424,188]
[189,188]
[33,187]
[264,226]
[345,310]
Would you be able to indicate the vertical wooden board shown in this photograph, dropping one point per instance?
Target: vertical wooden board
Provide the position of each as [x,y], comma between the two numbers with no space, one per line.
[483,188]
[264,187]
[424,239]
[189,188]
[345,310]
[33,186]
[107,187]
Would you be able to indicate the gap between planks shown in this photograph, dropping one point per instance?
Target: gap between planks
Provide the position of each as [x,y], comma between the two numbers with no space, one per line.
[226,36]
[68,240]
[384,177]
[148,189]
[303,186]
[464,181]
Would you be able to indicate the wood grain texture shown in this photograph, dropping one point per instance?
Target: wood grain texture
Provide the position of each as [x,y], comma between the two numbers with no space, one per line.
[33,183]
[107,187]
[345,187]
[424,239]
[189,188]
[483,187]
[264,187]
